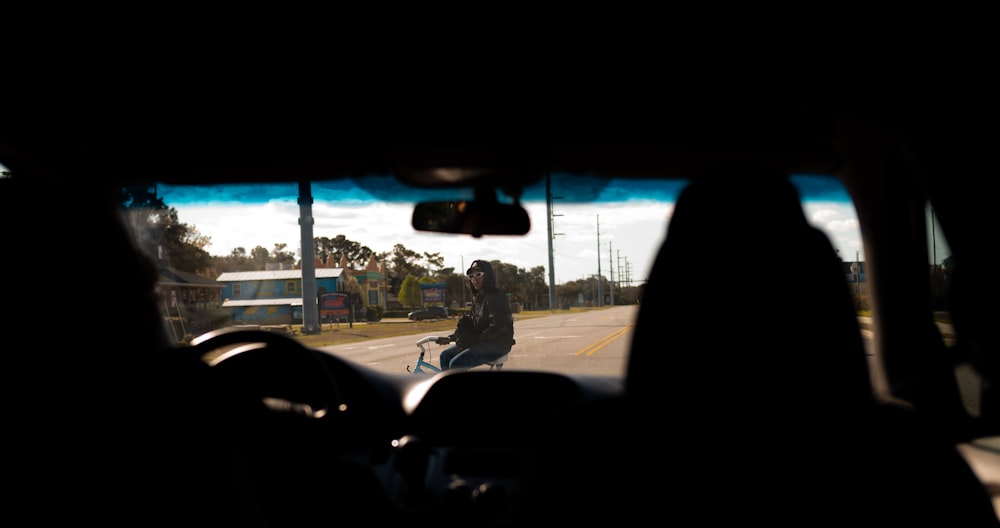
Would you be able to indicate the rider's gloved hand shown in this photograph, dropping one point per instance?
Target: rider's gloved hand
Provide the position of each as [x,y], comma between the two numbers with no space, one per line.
[443,340]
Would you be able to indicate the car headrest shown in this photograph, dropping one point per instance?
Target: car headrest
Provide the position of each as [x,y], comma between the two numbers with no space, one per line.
[746,307]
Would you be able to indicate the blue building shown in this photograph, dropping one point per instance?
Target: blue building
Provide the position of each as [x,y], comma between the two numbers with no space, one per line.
[275,296]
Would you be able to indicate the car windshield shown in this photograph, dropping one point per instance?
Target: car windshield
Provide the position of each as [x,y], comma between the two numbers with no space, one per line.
[232,255]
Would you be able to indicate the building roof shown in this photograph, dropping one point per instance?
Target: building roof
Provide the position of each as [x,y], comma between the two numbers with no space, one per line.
[289,301]
[236,276]
[175,277]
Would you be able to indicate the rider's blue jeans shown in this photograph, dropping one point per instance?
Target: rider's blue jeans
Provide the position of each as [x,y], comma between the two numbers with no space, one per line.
[478,354]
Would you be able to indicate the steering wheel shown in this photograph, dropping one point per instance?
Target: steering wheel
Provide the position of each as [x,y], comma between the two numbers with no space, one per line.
[281,426]
[280,372]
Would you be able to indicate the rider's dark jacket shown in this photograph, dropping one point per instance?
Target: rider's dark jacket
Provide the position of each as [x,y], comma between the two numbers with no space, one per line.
[490,318]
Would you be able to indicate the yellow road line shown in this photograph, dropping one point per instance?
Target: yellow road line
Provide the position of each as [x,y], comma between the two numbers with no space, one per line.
[603,342]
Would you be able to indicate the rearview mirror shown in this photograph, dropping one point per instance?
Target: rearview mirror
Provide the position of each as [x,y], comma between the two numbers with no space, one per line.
[472,217]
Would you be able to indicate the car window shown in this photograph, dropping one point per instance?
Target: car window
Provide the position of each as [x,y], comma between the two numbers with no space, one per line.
[232,254]
[941,268]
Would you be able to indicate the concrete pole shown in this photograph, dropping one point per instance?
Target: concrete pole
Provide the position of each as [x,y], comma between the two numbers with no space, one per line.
[310,303]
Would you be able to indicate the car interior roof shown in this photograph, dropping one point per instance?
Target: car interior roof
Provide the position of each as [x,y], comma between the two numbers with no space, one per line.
[670,144]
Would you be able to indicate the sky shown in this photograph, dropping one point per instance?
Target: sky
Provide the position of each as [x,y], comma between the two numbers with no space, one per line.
[626,228]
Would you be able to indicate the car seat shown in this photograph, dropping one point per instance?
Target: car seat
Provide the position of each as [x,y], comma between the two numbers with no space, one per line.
[748,362]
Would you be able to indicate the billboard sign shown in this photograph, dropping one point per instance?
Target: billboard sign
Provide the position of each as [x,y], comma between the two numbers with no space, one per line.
[432,293]
[334,304]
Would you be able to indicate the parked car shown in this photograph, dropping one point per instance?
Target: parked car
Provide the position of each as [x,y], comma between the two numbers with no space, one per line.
[429,313]
[738,386]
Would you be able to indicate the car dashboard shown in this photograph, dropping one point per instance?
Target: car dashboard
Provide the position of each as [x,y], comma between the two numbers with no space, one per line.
[473,437]
[452,444]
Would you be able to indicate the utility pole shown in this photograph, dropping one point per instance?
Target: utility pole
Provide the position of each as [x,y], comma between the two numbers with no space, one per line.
[611,274]
[600,289]
[552,235]
[622,284]
[628,278]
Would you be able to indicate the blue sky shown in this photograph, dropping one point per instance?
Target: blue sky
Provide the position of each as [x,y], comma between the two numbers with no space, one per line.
[618,222]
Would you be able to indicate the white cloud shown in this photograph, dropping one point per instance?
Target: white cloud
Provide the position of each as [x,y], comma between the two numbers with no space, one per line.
[630,233]
[839,221]
[625,230]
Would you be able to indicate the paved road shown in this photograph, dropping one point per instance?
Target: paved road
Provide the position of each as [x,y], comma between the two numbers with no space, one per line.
[584,343]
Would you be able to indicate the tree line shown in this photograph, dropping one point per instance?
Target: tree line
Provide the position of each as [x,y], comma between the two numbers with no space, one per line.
[166,239]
